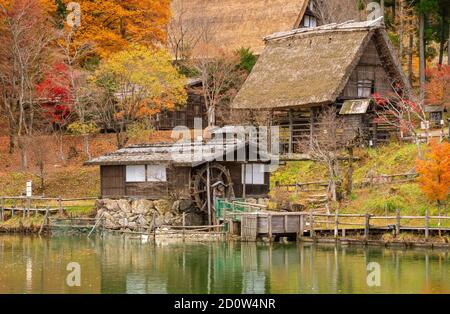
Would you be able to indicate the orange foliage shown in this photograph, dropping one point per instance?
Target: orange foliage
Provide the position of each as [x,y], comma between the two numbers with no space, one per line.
[434,172]
[110,26]
[438,86]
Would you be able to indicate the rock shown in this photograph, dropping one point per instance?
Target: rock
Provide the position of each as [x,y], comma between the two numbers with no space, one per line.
[133,218]
[142,221]
[124,206]
[185,205]
[263,201]
[132,225]
[176,206]
[108,216]
[110,225]
[123,222]
[162,206]
[111,205]
[159,221]
[141,206]
[251,201]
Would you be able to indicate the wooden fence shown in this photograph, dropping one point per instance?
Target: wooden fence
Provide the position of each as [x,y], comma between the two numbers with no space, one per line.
[26,205]
[367,182]
[279,223]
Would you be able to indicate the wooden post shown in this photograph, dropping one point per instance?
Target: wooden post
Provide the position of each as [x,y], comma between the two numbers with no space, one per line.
[291,133]
[367,226]
[427,224]
[285,224]
[302,225]
[311,223]
[397,224]
[244,184]
[22,206]
[13,208]
[2,209]
[184,224]
[28,206]
[45,222]
[336,223]
[61,209]
[208,192]
[269,226]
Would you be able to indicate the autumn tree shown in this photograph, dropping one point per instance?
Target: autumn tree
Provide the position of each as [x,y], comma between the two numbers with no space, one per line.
[113,25]
[55,97]
[438,86]
[138,82]
[330,136]
[434,173]
[25,50]
[399,111]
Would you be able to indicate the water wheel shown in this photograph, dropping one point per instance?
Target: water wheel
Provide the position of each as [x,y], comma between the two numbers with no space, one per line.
[220,182]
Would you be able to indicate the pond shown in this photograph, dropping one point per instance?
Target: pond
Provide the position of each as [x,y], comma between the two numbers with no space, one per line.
[115,264]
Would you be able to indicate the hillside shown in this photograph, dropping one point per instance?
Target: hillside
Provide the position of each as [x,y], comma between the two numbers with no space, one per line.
[67,178]
[392,159]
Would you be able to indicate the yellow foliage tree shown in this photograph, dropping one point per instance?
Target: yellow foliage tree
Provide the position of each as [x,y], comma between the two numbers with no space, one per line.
[112,25]
[141,82]
[434,172]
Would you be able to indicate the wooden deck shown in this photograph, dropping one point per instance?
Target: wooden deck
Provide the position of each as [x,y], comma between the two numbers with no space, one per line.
[276,224]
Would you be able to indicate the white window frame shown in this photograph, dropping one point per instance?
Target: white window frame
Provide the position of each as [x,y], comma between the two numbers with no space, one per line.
[156,173]
[365,88]
[253,174]
[145,173]
[135,173]
[309,21]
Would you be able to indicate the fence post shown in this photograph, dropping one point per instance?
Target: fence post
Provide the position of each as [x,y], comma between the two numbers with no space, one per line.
[336,223]
[14,207]
[60,205]
[397,223]
[427,224]
[269,225]
[367,226]
[28,206]
[302,225]
[2,209]
[22,204]
[184,224]
[311,223]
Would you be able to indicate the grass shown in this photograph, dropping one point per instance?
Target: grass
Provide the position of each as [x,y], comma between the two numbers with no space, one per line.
[17,223]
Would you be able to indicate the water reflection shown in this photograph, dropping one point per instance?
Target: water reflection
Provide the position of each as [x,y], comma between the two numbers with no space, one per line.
[122,265]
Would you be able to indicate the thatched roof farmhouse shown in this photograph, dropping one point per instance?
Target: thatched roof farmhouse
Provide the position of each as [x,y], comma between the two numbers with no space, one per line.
[241,23]
[301,70]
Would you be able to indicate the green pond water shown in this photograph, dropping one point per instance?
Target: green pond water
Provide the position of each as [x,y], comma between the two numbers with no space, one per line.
[114,264]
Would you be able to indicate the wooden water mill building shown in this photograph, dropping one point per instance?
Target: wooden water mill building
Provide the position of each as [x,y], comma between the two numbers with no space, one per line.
[302,71]
[181,170]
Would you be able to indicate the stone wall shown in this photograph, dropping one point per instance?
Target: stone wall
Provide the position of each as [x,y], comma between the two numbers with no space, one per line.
[139,214]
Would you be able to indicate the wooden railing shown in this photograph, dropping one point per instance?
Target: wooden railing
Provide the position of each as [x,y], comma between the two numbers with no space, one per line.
[367,182]
[394,223]
[25,205]
[301,222]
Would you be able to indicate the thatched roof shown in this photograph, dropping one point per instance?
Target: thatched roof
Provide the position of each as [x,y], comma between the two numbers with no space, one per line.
[189,154]
[240,23]
[308,67]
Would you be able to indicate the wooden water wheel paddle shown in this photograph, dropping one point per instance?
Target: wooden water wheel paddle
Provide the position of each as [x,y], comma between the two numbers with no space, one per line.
[220,179]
